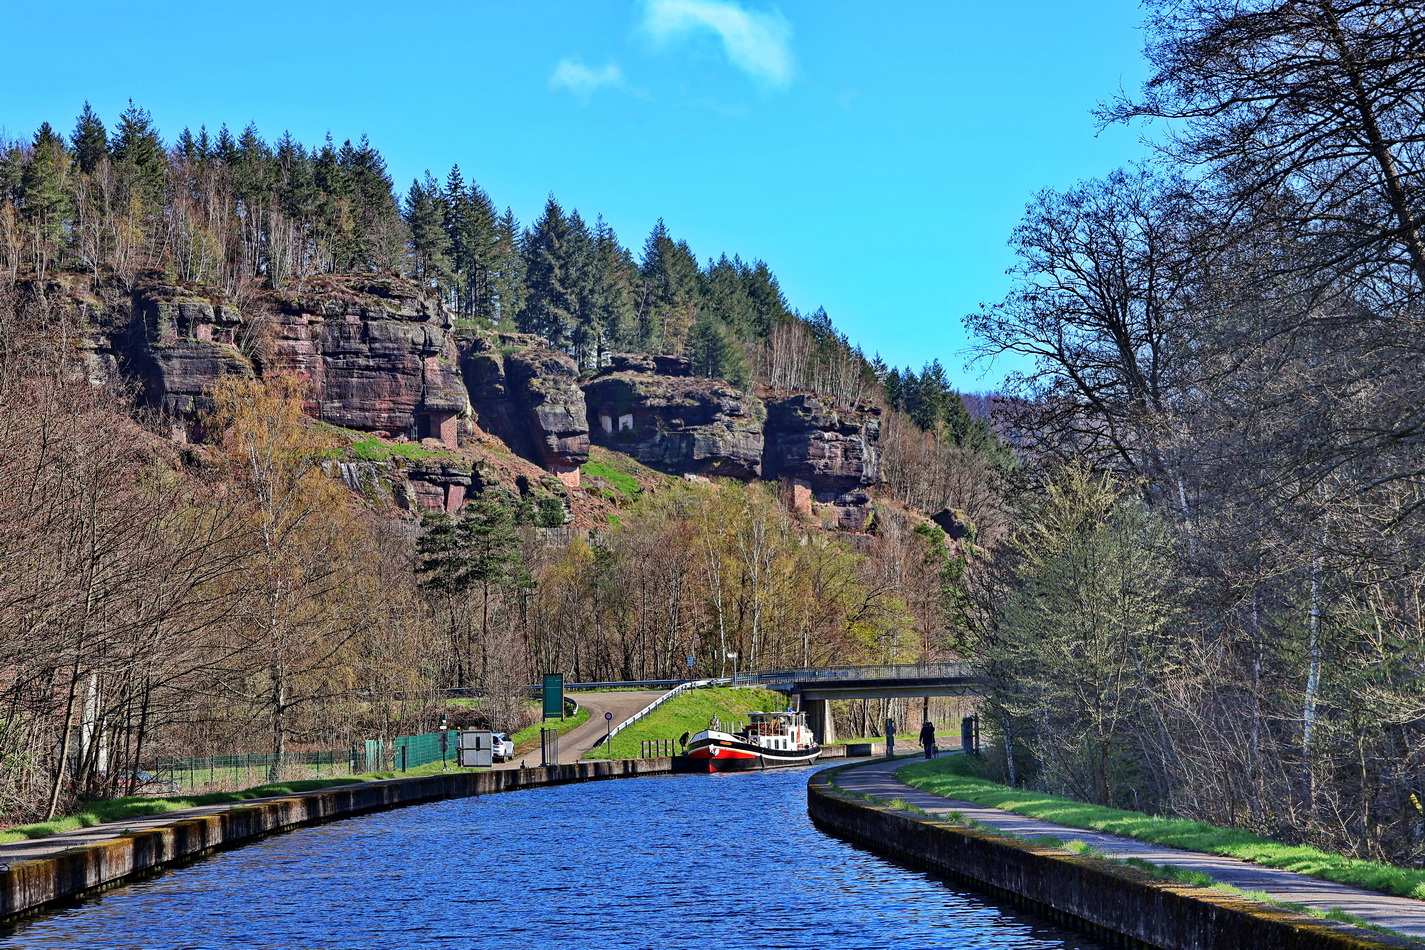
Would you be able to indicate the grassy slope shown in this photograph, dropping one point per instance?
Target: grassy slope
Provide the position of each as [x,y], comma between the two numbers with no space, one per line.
[950,778]
[690,713]
[528,737]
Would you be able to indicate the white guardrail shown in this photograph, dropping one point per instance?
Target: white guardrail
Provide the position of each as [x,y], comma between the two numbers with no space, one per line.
[675,691]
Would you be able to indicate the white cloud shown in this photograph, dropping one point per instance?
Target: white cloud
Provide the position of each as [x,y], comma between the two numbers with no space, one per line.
[572,74]
[756,43]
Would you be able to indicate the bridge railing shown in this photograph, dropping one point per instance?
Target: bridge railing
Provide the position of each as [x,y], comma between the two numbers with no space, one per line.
[897,671]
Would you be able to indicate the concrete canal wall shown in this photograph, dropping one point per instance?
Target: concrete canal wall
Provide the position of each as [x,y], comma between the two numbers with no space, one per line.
[29,886]
[1120,904]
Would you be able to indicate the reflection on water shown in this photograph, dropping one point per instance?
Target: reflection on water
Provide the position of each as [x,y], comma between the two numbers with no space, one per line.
[637,863]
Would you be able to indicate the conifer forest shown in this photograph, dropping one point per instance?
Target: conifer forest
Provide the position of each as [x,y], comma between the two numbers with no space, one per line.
[1184,544]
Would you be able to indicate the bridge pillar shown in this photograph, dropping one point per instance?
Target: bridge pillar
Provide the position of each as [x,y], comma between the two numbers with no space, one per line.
[820,720]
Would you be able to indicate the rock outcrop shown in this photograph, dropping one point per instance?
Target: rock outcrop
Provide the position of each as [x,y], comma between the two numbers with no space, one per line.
[379,356]
[677,424]
[179,345]
[828,454]
[833,449]
[530,399]
[377,353]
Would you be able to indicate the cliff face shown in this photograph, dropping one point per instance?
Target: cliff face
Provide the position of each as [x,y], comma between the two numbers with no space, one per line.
[528,396]
[179,345]
[676,423]
[833,449]
[381,355]
[377,353]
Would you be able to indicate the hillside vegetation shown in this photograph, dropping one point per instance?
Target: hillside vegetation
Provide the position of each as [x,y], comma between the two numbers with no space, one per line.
[193,566]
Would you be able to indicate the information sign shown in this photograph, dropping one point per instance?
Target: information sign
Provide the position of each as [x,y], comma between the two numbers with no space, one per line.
[554,696]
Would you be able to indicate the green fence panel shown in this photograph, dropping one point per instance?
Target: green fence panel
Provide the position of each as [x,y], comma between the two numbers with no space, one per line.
[420,750]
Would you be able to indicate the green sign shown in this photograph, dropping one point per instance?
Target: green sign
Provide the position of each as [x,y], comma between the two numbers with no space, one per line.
[554,696]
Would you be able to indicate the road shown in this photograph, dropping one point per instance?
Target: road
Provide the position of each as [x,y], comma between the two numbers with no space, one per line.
[573,744]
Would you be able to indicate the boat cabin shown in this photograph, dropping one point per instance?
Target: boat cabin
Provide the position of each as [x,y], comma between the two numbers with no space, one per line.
[779,730]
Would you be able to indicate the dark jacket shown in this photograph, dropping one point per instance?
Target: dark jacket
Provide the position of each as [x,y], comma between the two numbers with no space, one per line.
[927,734]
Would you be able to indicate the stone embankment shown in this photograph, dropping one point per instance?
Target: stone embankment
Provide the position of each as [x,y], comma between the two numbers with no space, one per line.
[30,885]
[1122,905]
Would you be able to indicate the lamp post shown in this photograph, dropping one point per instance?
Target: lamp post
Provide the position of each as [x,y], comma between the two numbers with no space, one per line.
[733,657]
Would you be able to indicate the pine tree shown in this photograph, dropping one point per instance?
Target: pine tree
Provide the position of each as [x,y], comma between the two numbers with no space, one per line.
[669,302]
[724,294]
[378,240]
[926,398]
[714,353]
[485,242]
[478,557]
[334,221]
[425,217]
[550,285]
[892,383]
[455,202]
[90,141]
[613,278]
[507,282]
[769,307]
[138,150]
[45,197]
[585,331]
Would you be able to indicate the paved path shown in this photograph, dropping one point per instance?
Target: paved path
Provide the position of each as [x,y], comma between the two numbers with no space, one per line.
[1401,914]
[576,742]
[54,844]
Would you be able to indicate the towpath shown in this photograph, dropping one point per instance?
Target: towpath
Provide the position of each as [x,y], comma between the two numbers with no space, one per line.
[1401,914]
[51,845]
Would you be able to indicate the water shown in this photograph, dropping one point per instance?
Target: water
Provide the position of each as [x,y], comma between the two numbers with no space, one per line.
[631,863]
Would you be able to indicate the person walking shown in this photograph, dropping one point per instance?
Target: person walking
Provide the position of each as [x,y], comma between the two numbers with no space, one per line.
[927,739]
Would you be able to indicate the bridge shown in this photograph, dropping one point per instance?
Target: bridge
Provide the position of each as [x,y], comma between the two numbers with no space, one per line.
[873,682]
[818,685]
[815,686]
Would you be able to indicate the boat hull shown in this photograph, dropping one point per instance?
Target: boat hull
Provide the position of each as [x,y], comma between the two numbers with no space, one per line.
[734,756]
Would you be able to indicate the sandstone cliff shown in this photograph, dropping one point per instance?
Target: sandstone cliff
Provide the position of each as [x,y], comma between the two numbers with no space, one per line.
[676,423]
[528,395]
[377,353]
[496,411]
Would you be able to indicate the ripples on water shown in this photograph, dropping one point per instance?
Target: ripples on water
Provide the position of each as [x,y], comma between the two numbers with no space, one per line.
[634,863]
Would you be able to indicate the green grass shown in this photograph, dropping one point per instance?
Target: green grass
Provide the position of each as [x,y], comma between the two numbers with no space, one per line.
[619,483]
[370,448]
[119,809]
[528,737]
[690,713]
[951,777]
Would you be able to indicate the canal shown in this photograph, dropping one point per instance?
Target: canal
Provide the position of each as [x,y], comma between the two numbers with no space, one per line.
[655,862]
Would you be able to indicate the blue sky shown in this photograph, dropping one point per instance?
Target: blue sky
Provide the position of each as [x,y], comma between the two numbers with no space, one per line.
[877,156]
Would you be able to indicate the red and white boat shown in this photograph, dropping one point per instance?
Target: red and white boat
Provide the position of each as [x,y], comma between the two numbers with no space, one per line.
[769,740]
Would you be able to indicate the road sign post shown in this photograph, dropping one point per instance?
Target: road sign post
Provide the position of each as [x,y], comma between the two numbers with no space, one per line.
[609,736]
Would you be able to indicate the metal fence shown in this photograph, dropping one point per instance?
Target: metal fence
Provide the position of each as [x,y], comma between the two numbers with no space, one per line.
[221,773]
[409,752]
[215,773]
